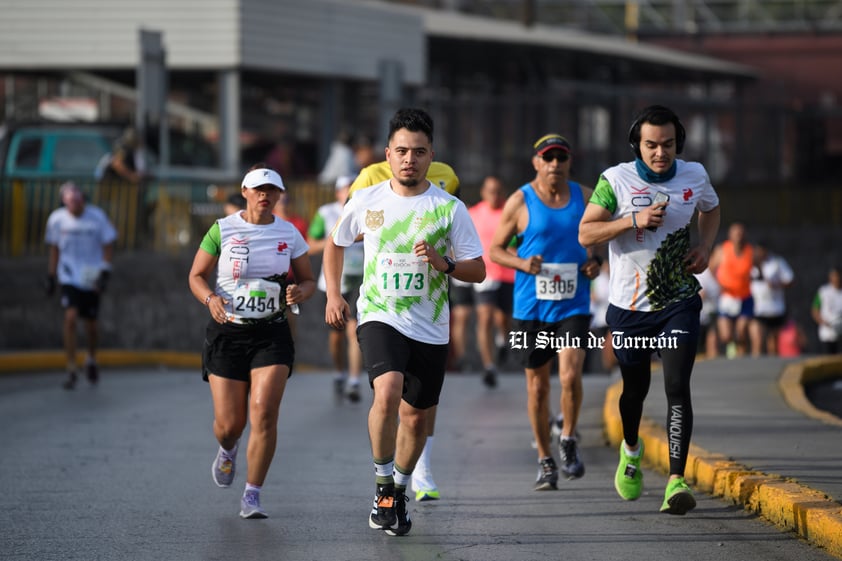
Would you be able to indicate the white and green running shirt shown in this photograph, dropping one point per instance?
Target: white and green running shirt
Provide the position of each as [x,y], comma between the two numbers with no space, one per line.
[400,289]
[647,268]
[254,260]
[352,271]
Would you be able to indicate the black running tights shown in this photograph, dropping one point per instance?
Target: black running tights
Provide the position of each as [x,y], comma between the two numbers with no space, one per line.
[677,366]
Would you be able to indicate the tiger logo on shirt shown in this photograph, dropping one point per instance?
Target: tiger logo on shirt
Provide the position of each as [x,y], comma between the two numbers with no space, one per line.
[374,219]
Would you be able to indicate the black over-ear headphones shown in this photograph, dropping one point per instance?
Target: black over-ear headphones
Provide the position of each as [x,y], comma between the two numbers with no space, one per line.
[656,115]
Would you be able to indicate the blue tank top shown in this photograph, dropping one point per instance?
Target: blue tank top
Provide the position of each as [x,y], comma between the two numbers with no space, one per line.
[554,234]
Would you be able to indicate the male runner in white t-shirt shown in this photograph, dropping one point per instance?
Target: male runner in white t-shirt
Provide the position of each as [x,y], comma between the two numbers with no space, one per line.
[81,242]
[410,229]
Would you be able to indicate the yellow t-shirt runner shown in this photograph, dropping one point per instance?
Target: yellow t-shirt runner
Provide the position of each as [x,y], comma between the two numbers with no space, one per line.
[439,174]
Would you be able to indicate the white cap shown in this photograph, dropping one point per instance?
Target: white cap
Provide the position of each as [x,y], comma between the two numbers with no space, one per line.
[344,181]
[263,176]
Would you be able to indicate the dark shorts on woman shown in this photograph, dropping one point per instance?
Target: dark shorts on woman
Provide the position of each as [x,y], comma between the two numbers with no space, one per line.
[772,322]
[232,350]
[385,349]
[536,342]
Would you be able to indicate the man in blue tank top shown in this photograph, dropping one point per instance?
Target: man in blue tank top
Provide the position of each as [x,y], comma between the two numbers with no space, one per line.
[551,297]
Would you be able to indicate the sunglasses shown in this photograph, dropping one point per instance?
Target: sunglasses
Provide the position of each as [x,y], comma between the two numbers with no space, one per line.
[560,156]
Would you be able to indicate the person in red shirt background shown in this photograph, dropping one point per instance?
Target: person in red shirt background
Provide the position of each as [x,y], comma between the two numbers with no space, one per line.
[493,296]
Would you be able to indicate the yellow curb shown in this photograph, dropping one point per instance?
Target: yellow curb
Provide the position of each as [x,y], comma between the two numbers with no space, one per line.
[791,506]
[28,361]
[55,360]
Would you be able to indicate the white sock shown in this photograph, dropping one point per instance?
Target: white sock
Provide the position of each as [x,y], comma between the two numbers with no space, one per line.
[384,471]
[401,479]
[423,463]
[250,487]
[629,453]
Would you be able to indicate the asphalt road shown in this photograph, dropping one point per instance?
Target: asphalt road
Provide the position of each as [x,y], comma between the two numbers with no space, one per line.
[122,472]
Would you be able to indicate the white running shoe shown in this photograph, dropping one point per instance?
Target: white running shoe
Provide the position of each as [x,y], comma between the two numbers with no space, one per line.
[424,486]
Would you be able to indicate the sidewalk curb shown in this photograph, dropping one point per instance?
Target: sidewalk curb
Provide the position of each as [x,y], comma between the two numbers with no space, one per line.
[789,505]
[797,375]
[27,361]
[34,361]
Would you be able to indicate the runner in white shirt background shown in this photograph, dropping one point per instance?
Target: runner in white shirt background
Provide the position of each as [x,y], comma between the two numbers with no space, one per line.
[343,346]
[81,243]
[770,276]
[827,311]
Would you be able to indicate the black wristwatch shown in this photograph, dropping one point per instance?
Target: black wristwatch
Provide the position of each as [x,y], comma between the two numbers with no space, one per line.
[451,265]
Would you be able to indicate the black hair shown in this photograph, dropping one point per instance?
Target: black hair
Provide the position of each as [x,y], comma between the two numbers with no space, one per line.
[656,115]
[413,120]
[237,200]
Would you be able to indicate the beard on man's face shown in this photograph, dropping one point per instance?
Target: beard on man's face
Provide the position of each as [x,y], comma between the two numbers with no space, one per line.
[409,181]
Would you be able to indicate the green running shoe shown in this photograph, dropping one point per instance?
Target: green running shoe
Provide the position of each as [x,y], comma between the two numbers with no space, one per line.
[628,481]
[427,495]
[678,498]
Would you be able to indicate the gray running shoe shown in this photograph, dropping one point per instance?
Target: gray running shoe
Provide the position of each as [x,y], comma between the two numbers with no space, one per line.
[353,394]
[339,387]
[571,464]
[490,378]
[70,382]
[250,506]
[92,372]
[547,475]
[224,467]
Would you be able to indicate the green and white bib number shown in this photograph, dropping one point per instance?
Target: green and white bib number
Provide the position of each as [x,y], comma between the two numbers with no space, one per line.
[556,281]
[256,298]
[401,274]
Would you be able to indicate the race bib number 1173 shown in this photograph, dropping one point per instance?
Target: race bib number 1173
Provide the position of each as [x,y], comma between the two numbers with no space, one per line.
[401,274]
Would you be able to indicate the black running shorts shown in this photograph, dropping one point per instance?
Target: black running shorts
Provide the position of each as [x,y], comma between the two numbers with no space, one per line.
[536,343]
[500,297]
[86,302]
[386,350]
[232,350]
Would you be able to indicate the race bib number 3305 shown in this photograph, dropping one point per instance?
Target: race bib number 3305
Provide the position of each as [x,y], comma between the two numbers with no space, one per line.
[556,281]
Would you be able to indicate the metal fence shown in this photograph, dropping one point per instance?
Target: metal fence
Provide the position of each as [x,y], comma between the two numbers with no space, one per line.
[158,216]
